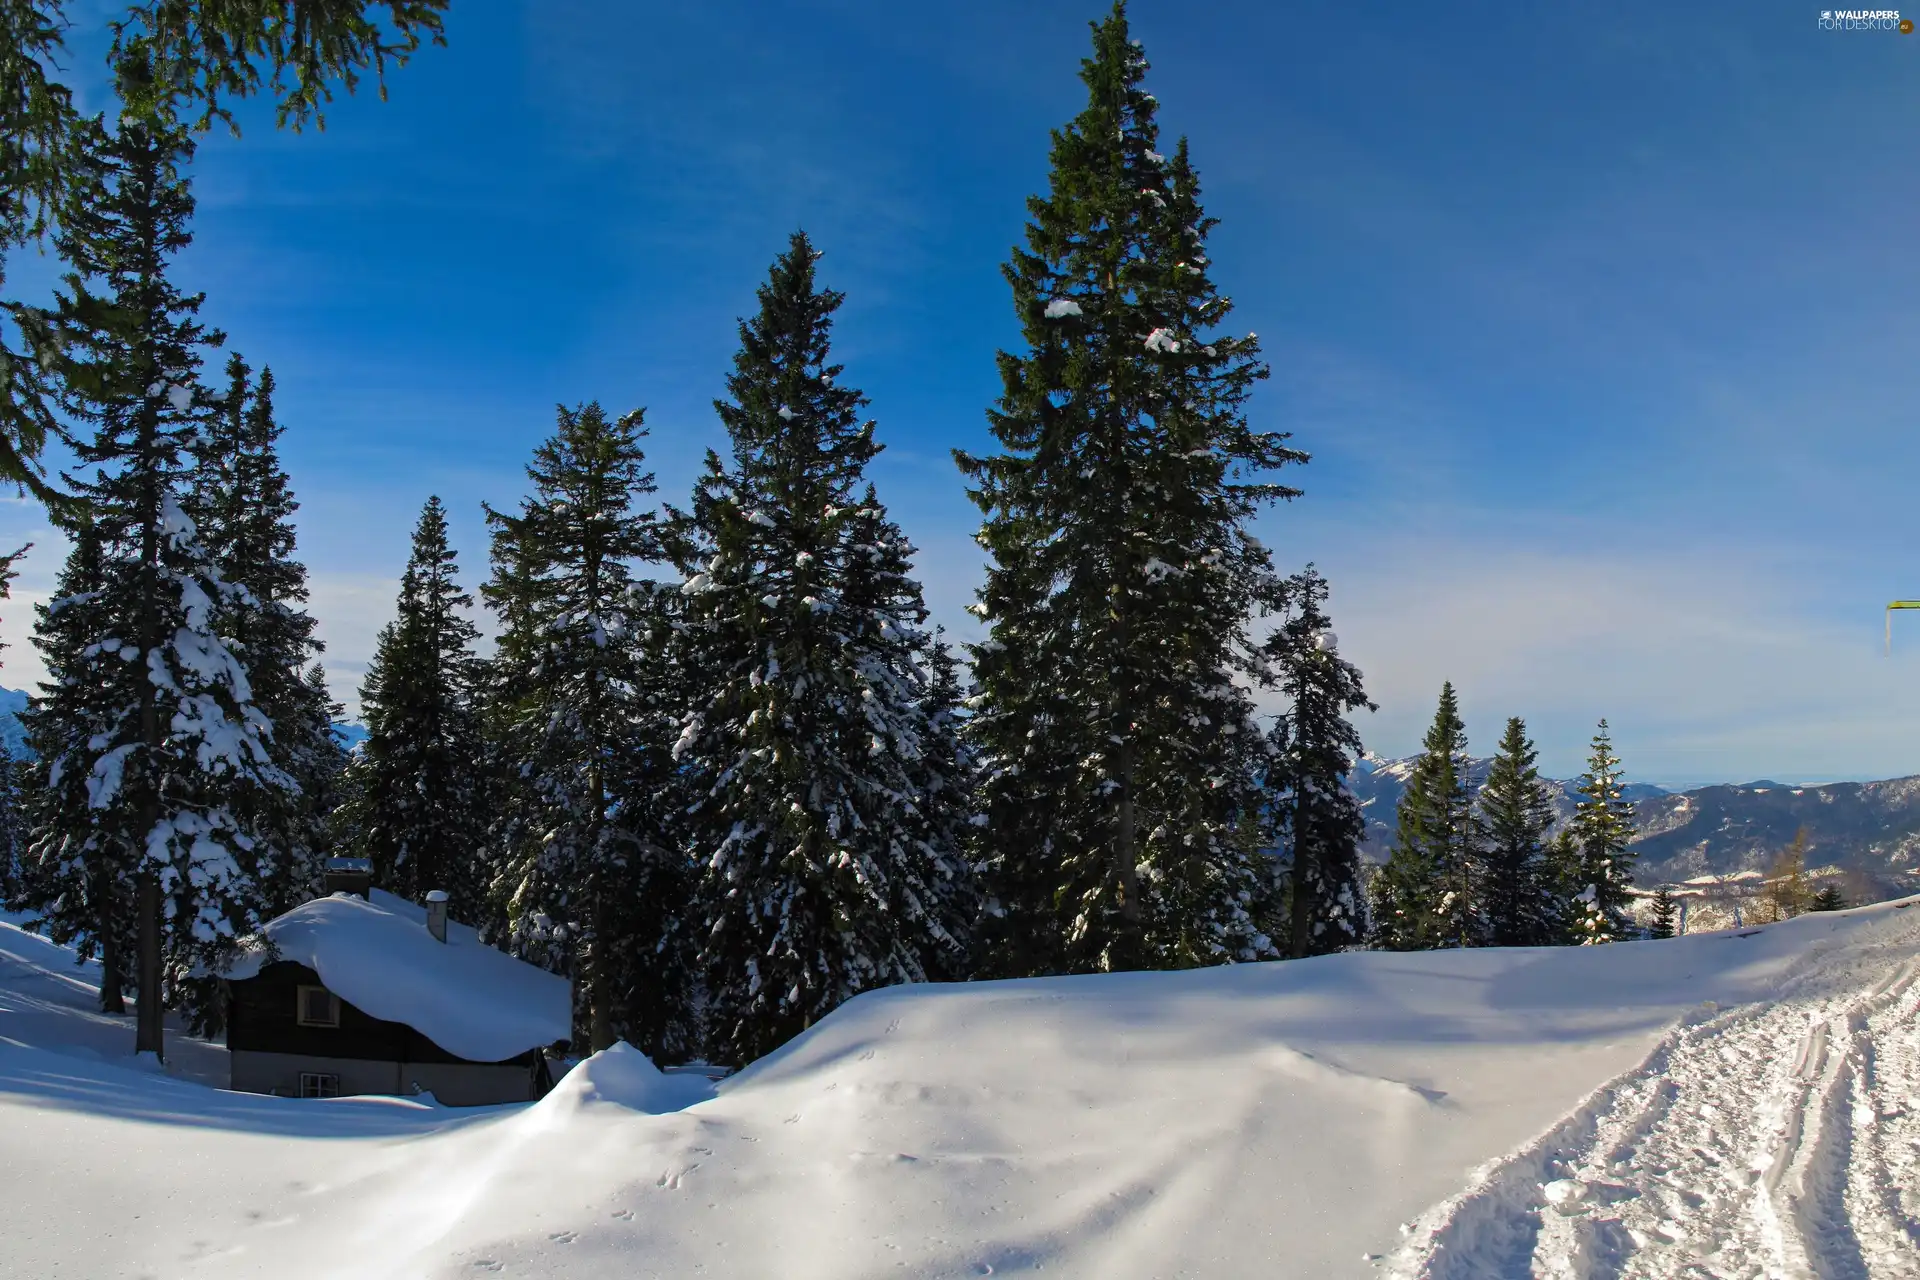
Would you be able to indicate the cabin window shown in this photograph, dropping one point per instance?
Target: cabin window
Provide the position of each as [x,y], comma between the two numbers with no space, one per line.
[318,1007]
[319,1084]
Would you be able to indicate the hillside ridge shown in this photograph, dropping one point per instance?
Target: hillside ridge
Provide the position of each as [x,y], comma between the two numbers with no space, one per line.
[1870,830]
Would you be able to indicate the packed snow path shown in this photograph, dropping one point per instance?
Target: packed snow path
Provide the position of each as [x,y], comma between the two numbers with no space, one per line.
[1778,1139]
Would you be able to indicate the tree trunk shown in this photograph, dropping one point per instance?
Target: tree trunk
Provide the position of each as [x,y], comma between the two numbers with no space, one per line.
[1127,954]
[577,1026]
[149,1026]
[112,998]
[112,975]
[599,988]
[1302,913]
[601,1030]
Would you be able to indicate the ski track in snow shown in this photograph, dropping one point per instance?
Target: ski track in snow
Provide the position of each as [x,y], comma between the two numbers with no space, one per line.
[1774,1141]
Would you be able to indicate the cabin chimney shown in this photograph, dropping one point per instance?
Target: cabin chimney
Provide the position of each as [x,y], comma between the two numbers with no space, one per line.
[437,914]
[349,875]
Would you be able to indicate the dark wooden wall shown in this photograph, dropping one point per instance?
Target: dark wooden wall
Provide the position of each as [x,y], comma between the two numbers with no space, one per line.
[263,1015]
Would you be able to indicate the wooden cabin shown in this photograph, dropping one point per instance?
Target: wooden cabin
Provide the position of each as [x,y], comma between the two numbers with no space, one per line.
[361,992]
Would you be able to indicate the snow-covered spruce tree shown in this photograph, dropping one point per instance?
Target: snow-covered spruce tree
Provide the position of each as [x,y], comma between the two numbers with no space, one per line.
[182,747]
[912,711]
[1515,810]
[1602,829]
[325,790]
[1118,748]
[413,788]
[1428,893]
[79,886]
[591,879]
[806,742]
[1316,822]
[1564,872]
[244,505]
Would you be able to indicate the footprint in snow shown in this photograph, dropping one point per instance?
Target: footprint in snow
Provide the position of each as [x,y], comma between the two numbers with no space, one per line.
[625,1215]
[488,1264]
[671,1181]
[564,1237]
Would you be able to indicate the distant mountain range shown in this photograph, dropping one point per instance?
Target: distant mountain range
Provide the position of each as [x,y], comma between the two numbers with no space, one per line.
[1379,784]
[1868,829]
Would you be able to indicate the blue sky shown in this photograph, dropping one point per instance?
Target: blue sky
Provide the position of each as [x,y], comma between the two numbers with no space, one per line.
[1602,323]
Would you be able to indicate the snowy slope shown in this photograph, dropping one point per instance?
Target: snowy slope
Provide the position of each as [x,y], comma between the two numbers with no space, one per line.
[1282,1119]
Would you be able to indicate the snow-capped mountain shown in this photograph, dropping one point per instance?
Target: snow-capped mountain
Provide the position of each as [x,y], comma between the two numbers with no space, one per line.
[12,734]
[1868,828]
[1871,829]
[1379,783]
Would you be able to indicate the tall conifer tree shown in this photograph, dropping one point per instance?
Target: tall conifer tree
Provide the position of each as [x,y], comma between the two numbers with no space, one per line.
[244,506]
[1519,900]
[182,747]
[1317,821]
[913,713]
[1428,893]
[807,739]
[208,54]
[414,786]
[1116,741]
[591,879]
[1602,830]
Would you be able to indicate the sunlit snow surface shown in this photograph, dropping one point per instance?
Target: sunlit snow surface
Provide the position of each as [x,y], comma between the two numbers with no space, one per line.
[1575,1112]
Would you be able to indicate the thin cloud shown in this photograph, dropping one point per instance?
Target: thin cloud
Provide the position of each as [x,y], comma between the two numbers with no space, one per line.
[1706,662]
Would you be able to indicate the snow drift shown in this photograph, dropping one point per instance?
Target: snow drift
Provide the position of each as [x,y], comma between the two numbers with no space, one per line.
[621,1077]
[1563,1113]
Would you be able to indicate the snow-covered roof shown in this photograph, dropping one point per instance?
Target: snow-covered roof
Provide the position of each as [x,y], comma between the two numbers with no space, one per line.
[471,1000]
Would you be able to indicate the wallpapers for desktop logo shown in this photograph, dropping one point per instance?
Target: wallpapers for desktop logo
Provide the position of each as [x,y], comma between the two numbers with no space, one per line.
[1865,20]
